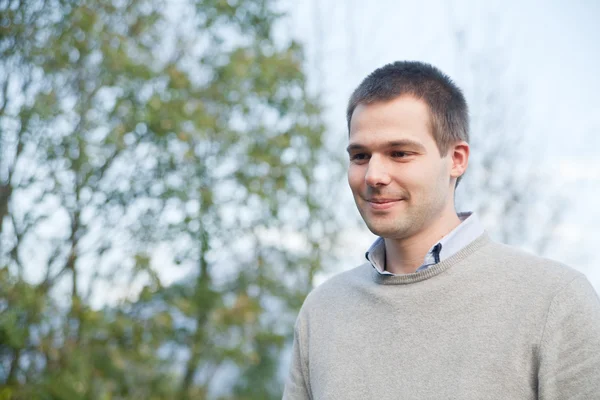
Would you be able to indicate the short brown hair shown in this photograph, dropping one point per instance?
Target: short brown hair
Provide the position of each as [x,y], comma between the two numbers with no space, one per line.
[446,102]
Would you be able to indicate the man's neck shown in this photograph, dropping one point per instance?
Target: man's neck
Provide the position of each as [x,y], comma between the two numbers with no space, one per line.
[405,256]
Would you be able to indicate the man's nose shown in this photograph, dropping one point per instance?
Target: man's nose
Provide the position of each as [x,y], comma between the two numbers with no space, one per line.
[377,173]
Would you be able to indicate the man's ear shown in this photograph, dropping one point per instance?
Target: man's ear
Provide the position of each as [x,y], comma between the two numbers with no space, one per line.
[459,153]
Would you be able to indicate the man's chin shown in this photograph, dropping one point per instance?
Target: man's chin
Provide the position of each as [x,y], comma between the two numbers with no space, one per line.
[385,231]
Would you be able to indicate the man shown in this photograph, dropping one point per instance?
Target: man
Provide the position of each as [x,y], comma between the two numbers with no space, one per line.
[439,311]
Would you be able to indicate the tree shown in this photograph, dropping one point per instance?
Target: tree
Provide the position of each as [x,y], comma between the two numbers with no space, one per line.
[503,183]
[129,126]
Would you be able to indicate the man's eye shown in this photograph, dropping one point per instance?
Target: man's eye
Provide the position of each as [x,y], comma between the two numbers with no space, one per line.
[399,154]
[359,156]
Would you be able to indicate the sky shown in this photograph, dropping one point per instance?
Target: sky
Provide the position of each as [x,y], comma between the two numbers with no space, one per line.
[550,51]
[549,48]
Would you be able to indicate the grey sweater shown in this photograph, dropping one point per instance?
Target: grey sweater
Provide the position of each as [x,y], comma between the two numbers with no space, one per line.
[490,322]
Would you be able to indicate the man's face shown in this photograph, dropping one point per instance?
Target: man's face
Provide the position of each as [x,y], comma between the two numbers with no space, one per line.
[401,184]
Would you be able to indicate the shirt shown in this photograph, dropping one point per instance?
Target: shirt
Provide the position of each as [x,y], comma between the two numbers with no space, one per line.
[468,230]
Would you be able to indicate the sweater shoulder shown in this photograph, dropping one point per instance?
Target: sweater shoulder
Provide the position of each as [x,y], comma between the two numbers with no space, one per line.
[511,261]
[338,286]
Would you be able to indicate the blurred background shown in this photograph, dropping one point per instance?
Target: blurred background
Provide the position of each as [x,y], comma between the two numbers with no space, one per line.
[172,173]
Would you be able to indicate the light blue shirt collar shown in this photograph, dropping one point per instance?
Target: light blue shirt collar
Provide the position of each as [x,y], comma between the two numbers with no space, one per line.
[468,230]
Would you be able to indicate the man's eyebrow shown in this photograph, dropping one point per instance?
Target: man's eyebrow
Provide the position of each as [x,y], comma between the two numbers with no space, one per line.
[394,143]
[354,147]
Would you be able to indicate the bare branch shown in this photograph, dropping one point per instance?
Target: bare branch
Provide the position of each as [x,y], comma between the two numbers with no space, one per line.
[4,95]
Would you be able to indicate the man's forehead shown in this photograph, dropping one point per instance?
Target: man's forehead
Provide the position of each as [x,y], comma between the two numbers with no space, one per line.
[401,110]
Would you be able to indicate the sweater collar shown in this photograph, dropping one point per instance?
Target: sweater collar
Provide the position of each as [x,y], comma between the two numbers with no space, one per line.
[434,270]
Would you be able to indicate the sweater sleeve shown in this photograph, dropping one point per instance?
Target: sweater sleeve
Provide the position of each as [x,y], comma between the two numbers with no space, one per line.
[569,365]
[297,386]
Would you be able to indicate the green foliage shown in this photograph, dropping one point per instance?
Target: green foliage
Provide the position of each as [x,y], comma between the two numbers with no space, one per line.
[136,129]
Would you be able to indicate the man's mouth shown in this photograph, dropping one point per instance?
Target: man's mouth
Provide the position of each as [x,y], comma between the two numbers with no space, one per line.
[382,201]
[382,204]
